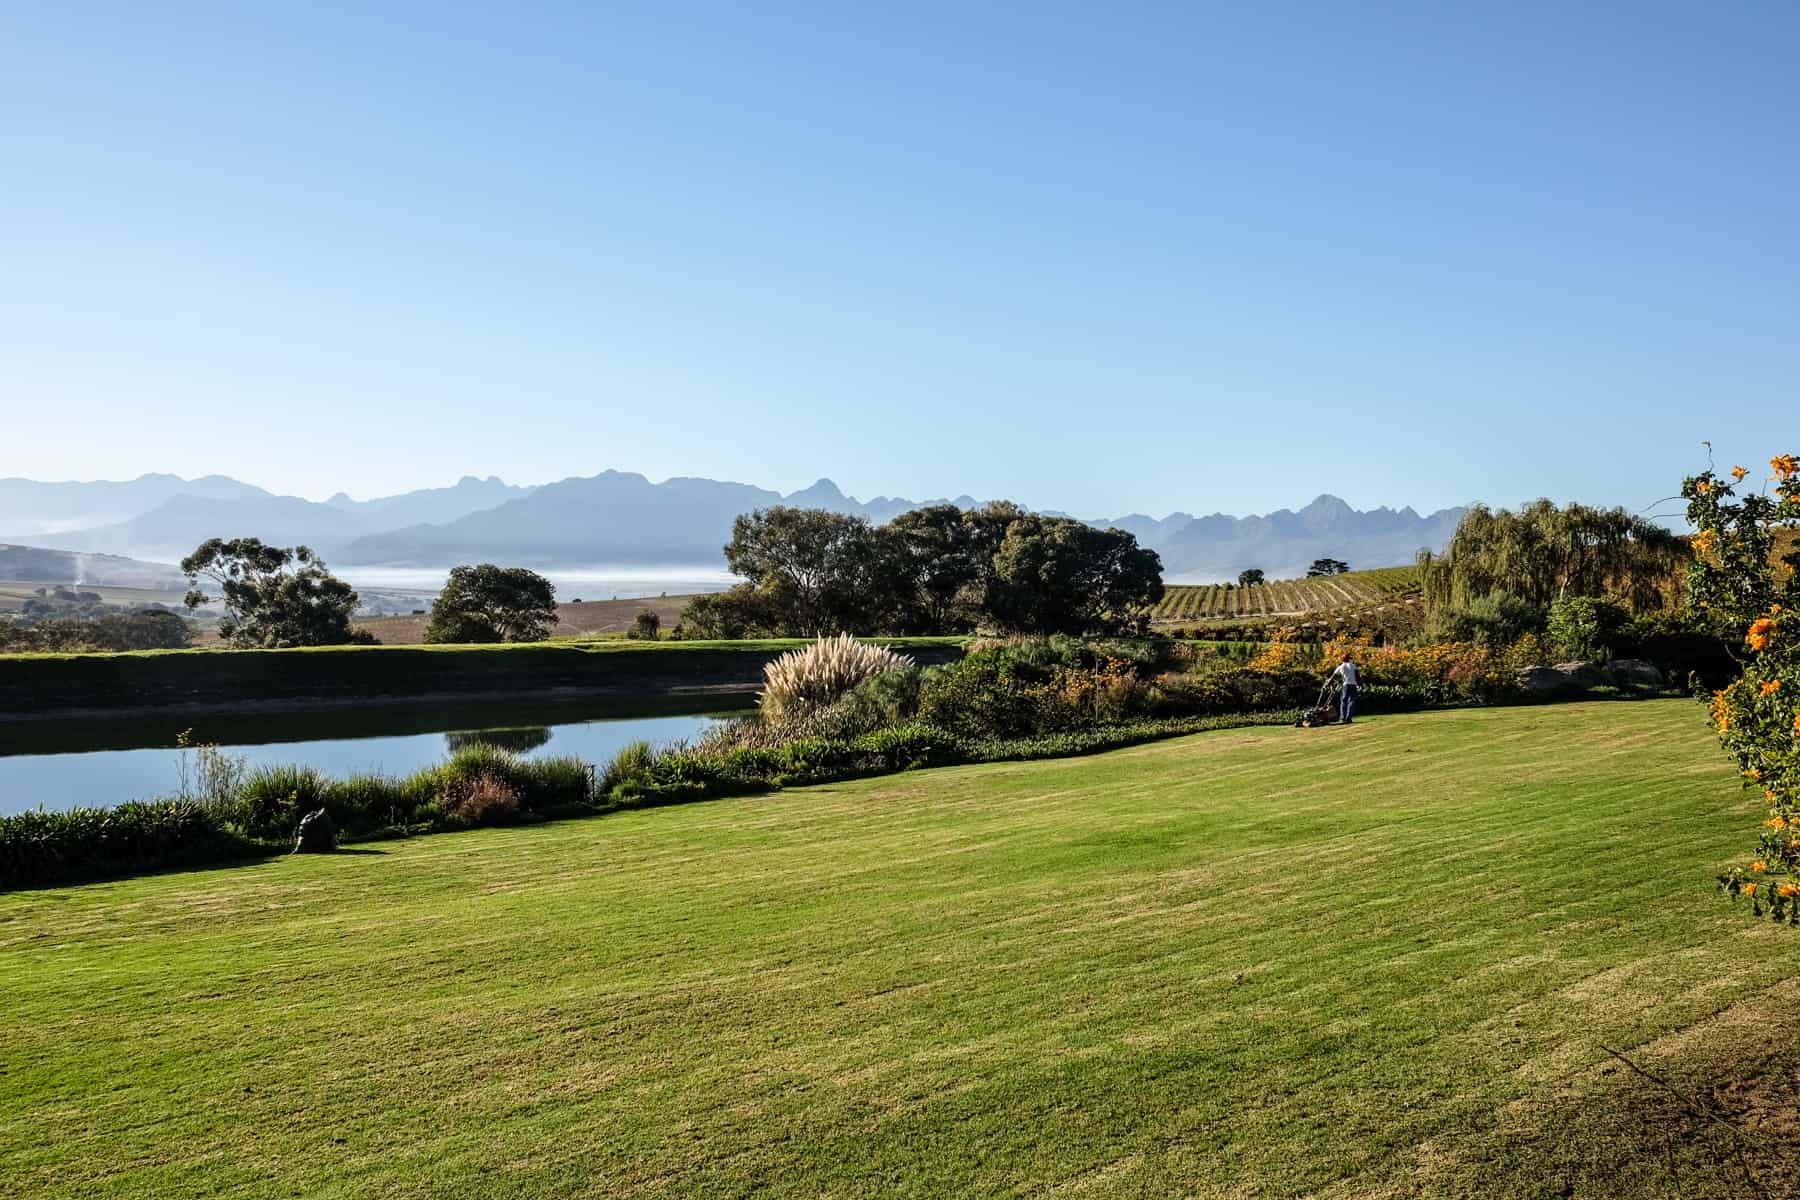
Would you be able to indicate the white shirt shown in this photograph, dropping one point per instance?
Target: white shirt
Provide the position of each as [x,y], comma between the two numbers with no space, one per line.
[1347,673]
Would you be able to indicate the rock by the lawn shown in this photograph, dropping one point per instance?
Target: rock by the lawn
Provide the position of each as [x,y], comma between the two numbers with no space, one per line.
[318,833]
[1543,681]
[1634,672]
[1581,674]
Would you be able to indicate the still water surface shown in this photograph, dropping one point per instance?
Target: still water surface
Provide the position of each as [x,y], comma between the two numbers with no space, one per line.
[73,765]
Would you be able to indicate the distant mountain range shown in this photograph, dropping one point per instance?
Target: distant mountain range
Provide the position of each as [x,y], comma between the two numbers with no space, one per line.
[165,517]
[87,570]
[621,518]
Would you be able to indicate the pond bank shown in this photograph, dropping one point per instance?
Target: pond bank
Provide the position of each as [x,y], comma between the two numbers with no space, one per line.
[191,683]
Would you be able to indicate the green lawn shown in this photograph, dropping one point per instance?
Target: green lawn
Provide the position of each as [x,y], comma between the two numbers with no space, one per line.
[1367,961]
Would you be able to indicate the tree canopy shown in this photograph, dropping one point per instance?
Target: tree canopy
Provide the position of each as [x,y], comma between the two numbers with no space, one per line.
[1543,552]
[486,603]
[273,596]
[938,569]
[1251,577]
[1326,566]
[1057,575]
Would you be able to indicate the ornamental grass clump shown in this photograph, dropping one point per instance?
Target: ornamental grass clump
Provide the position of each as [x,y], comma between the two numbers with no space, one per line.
[480,799]
[817,676]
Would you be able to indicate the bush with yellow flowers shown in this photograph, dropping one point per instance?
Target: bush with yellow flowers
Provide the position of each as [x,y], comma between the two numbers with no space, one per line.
[1737,581]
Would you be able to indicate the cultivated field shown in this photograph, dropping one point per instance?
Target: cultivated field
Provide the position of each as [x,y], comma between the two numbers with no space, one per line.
[590,618]
[1289,597]
[1382,960]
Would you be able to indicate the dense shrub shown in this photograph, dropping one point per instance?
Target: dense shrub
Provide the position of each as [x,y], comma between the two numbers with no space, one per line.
[365,803]
[1585,627]
[890,698]
[632,761]
[542,784]
[1024,687]
[994,691]
[42,847]
[1690,649]
[145,629]
[1494,620]
[480,799]
[274,798]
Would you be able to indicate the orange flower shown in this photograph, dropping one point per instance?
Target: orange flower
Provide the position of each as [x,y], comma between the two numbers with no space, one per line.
[1759,865]
[1753,773]
[1749,889]
[1788,889]
[1769,795]
[1771,687]
[1704,541]
[1738,472]
[1702,488]
[1784,465]
[1761,630]
[1775,823]
[1797,722]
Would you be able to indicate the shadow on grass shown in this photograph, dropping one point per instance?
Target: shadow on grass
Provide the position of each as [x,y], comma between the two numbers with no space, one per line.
[1711,1111]
[244,857]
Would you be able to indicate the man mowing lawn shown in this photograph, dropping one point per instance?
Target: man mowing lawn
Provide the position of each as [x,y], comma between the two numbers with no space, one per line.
[1346,678]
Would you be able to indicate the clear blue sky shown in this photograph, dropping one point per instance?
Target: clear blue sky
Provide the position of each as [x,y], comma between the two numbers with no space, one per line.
[1094,257]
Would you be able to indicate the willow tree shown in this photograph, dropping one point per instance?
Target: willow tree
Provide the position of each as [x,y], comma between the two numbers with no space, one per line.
[1542,553]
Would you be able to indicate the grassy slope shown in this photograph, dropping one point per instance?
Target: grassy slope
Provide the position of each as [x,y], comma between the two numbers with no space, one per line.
[1374,960]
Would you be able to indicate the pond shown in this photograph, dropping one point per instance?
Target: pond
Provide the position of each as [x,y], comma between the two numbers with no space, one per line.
[77,764]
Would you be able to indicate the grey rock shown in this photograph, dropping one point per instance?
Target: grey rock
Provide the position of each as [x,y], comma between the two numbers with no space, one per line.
[1634,672]
[1543,681]
[318,833]
[1581,674]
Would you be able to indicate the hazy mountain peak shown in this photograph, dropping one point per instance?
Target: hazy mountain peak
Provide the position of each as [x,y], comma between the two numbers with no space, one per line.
[822,493]
[1326,504]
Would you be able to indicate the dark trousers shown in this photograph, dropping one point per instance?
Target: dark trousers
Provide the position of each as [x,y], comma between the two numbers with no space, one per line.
[1347,702]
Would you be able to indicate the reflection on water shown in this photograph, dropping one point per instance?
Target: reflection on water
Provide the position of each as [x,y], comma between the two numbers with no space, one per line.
[519,741]
[79,764]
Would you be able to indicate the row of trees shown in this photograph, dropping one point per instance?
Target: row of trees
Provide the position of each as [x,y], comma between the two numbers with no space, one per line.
[144,629]
[277,596]
[1320,567]
[933,570]
[808,573]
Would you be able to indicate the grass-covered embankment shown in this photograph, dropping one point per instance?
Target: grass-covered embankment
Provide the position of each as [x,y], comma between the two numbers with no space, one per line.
[256,814]
[1379,960]
[41,685]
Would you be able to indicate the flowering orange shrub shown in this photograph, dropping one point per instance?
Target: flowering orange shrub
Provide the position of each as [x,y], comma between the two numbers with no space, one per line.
[1451,668]
[1283,656]
[1735,580]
